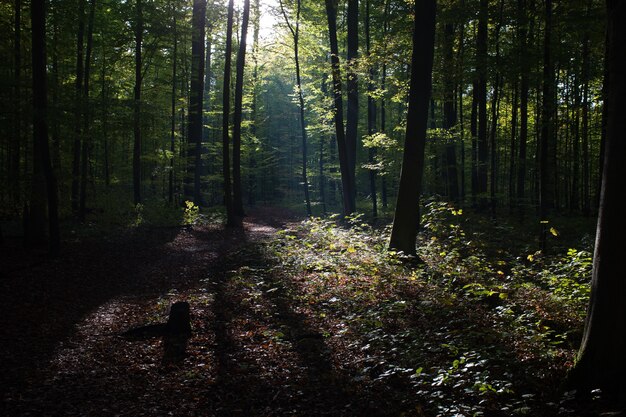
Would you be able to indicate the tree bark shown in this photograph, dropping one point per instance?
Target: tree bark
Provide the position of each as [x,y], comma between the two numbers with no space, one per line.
[231,220]
[75,196]
[547,154]
[406,220]
[196,95]
[371,111]
[601,363]
[173,105]
[482,70]
[347,181]
[137,103]
[352,92]
[86,142]
[241,58]
[449,113]
[41,150]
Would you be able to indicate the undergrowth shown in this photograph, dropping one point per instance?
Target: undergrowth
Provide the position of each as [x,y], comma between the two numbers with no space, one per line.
[479,328]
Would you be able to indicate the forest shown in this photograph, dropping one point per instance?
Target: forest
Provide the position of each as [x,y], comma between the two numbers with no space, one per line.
[324,208]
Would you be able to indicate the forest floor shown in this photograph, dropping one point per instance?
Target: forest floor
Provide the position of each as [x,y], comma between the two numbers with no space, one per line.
[289,318]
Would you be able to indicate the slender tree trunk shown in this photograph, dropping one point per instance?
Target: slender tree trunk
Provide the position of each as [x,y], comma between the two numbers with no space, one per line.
[41,150]
[371,112]
[241,56]
[524,89]
[461,67]
[17,105]
[474,133]
[352,92]
[75,197]
[228,200]
[449,113]
[347,181]
[495,105]
[86,143]
[252,176]
[196,95]
[585,128]
[406,220]
[574,202]
[383,110]
[482,70]
[173,106]
[512,153]
[547,155]
[104,116]
[137,103]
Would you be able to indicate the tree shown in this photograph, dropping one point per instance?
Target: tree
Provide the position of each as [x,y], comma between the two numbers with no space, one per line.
[352,92]
[371,109]
[347,180]
[228,199]
[41,149]
[548,141]
[138,28]
[601,362]
[406,220]
[196,96]
[78,107]
[295,33]
[241,59]
[86,142]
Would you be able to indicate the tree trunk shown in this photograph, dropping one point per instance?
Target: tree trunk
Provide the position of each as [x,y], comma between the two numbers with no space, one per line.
[228,200]
[75,197]
[196,95]
[406,220]
[173,106]
[241,58]
[601,362]
[547,155]
[14,162]
[449,113]
[482,70]
[137,104]
[41,149]
[352,92]
[371,112]
[86,142]
[347,181]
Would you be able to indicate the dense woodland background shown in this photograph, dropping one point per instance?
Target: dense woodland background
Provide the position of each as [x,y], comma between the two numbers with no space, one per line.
[117,110]
[488,132]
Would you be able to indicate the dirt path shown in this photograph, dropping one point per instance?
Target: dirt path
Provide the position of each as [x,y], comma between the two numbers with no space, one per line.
[250,353]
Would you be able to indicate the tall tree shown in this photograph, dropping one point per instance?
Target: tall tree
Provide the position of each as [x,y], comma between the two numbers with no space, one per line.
[601,363]
[138,29]
[231,219]
[371,108]
[241,60]
[481,96]
[86,142]
[41,148]
[548,141]
[78,107]
[295,33]
[196,96]
[407,218]
[352,92]
[449,112]
[14,162]
[173,103]
[347,180]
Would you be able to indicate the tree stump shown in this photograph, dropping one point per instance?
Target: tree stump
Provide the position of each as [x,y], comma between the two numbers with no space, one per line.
[179,321]
[178,324]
